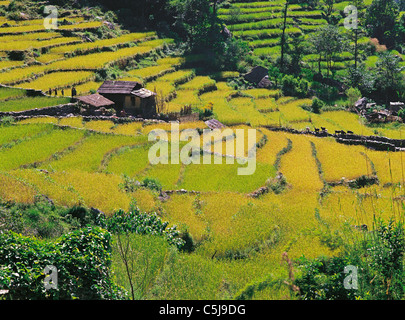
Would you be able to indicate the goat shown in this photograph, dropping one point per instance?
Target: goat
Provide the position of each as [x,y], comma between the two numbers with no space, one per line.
[350,132]
[316,130]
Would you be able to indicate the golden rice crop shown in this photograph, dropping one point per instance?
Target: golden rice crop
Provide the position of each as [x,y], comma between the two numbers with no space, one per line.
[87,87]
[209,177]
[18,74]
[151,72]
[222,109]
[58,80]
[276,142]
[232,140]
[38,149]
[100,125]
[97,60]
[183,98]
[173,61]
[129,161]
[89,155]
[292,112]
[299,166]
[246,108]
[45,185]
[96,190]
[199,84]
[266,105]
[27,44]
[21,132]
[81,25]
[178,77]
[157,43]
[130,129]
[145,200]
[390,166]
[180,210]
[348,121]
[341,161]
[50,57]
[218,210]
[261,93]
[165,90]
[6,64]
[130,37]
[14,190]
[38,120]
[167,174]
[31,36]
[75,122]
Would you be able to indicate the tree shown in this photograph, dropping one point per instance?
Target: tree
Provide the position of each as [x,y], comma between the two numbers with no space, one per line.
[327,8]
[283,40]
[327,43]
[194,21]
[355,28]
[360,78]
[380,21]
[389,77]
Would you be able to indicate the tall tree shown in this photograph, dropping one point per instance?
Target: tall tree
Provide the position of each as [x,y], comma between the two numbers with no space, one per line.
[283,41]
[327,43]
[380,20]
[389,78]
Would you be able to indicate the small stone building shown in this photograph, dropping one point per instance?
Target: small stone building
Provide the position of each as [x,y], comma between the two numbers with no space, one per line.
[95,104]
[96,101]
[259,76]
[129,96]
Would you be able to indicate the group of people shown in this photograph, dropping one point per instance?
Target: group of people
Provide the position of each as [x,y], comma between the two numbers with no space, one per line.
[55,91]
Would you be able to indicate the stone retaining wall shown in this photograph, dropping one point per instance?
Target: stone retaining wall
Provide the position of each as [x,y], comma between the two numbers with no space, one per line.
[372,142]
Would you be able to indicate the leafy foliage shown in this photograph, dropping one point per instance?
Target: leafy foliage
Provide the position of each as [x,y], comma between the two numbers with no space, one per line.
[82,258]
[137,222]
[378,257]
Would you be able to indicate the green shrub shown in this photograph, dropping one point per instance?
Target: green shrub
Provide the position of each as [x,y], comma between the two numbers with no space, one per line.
[295,87]
[353,94]
[317,105]
[82,259]
[378,256]
[139,222]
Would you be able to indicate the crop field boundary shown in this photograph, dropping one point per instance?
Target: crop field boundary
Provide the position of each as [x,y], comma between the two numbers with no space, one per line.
[378,143]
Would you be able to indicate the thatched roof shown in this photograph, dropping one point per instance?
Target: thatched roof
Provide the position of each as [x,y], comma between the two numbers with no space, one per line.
[265,83]
[214,124]
[119,87]
[96,100]
[256,74]
[143,93]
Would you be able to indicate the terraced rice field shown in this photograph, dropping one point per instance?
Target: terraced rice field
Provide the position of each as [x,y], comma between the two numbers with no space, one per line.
[77,162]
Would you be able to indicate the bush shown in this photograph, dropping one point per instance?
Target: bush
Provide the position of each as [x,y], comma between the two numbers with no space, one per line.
[152,184]
[317,105]
[139,222]
[294,87]
[377,255]
[353,94]
[82,258]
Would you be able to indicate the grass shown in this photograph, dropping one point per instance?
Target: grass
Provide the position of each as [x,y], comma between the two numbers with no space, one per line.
[45,146]
[105,43]
[28,103]
[89,155]
[11,93]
